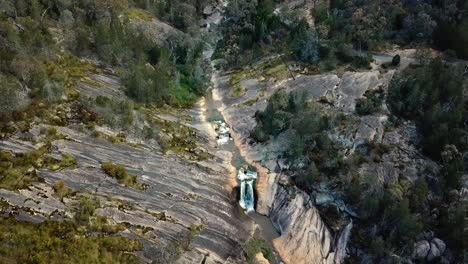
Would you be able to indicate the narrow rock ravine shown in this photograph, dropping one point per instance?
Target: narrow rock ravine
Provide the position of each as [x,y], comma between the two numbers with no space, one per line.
[268,222]
[233,131]
[264,227]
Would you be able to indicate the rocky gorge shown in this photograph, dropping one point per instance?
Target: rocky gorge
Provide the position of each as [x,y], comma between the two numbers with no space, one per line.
[170,180]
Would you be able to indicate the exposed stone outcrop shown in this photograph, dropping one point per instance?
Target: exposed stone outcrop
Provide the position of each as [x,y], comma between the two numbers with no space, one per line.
[260,259]
[106,84]
[179,194]
[421,248]
[353,85]
[304,236]
[371,128]
[429,251]
[154,29]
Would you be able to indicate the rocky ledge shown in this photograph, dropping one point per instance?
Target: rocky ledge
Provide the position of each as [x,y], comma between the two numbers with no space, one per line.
[304,235]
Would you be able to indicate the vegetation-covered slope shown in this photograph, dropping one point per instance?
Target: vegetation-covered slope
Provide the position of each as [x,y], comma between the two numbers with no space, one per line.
[154,49]
[393,214]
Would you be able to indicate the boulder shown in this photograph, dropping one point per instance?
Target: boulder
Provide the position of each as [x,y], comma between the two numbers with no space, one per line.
[440,245]
[371,128]
[434,252]
[421,249]
[304,236]
[410,173]
[208,10]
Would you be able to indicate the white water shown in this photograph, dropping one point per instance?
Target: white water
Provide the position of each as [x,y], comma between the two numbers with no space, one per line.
[247,197]
[265,229]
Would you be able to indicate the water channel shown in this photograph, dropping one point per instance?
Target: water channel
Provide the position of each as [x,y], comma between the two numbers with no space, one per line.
[265,229]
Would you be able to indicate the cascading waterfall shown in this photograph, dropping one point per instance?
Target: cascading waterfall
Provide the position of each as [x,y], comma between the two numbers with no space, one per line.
[247,197]
[245,177]
[223,133]
[224,141]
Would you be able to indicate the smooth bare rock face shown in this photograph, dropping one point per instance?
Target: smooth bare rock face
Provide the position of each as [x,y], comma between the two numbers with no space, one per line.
[16,145]
[353,86]
[38,198]
[154,29]
[106,84]
[370,129]
[192,257]
[179,195]
[260,259]
[340,248]
[315,86]
[304,236]
[266,189]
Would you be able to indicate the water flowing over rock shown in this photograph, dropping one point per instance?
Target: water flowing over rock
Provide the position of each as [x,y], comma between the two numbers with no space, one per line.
[170,182]
[180,194]
[247,200]
[304,236]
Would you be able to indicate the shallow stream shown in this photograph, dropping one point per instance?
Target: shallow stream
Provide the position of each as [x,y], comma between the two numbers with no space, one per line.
[265,229]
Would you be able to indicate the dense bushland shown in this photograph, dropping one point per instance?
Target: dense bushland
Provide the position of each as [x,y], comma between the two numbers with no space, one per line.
[311,142]
[255,30]
[70,241]
[39,38]
[344,30]
[369,25]
[432,96]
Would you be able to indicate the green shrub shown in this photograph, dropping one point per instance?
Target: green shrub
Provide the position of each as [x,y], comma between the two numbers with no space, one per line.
[121,175]
[372,103]
[309,177]
[247,26]
[255,246]
[276,117]
[362,61]
[292,111]
[10,99]
[400,220]
[432,96]
[85,210]
[61,242]
[419,193]
[18,172]
[396,60]
[61,189]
